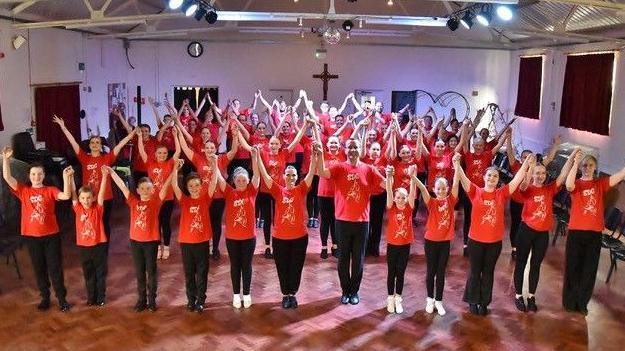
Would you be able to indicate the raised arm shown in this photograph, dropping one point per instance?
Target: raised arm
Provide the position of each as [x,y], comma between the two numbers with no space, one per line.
[263,101]
[464,181]
[390,170]
[101,191]
[7,153]
[456,181]
[68,135]
[122,120]
[321,167]
[564,172]
[298,137]
[520,175]
[617,177]
[510,152]
[185,147]
[141,148]
[118,148]
[412,193]
[118,181]
[570,178]
[502,139]
[157,115]
[174,184]
[255,162]
[344,105]
[266,178]
[316,150]
[68,176]
[463,143]
[551,154]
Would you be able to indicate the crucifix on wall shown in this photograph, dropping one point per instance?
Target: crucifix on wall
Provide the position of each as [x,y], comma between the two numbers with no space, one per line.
[325,76]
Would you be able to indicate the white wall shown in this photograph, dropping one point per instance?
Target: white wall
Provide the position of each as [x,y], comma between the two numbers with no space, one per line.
[537,134]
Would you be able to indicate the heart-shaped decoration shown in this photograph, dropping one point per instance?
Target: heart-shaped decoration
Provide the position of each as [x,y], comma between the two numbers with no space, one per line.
[442,104]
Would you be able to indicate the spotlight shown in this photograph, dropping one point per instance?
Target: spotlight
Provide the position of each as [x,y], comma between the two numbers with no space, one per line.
[211,17]
[504,12]
[360,23]
[467,20]
[189,7]
[484,17]
[389,2]
[452,23]
[199,14]
[348,25]
[174,4]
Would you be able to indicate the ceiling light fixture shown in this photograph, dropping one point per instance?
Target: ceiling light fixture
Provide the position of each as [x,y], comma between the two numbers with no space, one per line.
[200,13]
[174,4]
[484,17]
[189,8]
[389,2]
[300,22]
[348,25]
[467,20]
[211,17]
[452,23]
[504,12]
[360,23]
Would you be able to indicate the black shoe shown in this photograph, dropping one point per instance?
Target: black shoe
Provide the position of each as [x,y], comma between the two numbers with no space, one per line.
[199,307]
[286,302]
[531,304]
[90,303]
[152,307]
[520,304]
[268,254]
[64,306]
[293,301]
[216,255]
[315,223]
[354,299]
[473,309]
[100,302]
[324,254]
[44,305]
[191,306]
[513,254]
[140,306]
[344,299]
[482,310]
[465,252]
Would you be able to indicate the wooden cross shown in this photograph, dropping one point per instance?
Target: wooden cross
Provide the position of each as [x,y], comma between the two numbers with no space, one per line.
[325,76]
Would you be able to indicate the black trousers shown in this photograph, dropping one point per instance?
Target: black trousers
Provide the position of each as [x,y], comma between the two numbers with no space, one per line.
[515,220]
[241,253]
[164,221]
[436,257]
[396,263]
[312,202]
[290,256]
[377,206]
[195,264]
[352,241]
[47,259]
[583,249]
[106,218]
[144,259]
[483,258]
[466,206]
[95,268]
[266,204]
[529,240]
[216,212]
[327,225]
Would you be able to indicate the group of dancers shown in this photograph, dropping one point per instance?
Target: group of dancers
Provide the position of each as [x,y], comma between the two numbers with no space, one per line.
[295,169]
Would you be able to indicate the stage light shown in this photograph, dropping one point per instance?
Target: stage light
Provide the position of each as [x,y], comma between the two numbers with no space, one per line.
[174,4]
[504,12]
[484,16]
[348,25]
[189,7]
[467,20]
[211,17]
[389,2]
[452,23]
[199,14]
[360,23]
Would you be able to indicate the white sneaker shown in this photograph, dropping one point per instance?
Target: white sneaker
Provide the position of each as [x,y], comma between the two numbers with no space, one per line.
[236,301]
[390,304]
[429,305]
[439,308]
[159,252]
[165,252]
[247,301]
[398,307]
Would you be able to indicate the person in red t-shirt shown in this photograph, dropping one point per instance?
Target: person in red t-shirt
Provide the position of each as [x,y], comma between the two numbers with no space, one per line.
[583,245]
[144,234]
[92,162]
[354,181]
[240,229]
[399,236]
[290,237]
[325,194]
[533,234]
[194,232]
[40,229]
[486,232]
[91,239]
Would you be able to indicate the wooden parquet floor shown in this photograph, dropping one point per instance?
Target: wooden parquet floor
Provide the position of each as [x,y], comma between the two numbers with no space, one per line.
[320,323]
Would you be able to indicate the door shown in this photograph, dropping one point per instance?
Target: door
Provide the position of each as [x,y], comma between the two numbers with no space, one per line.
[63,101]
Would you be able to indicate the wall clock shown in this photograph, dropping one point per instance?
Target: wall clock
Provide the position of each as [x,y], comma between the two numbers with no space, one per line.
[195,49]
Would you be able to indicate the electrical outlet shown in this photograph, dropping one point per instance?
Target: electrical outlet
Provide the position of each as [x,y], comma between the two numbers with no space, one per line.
[474,93]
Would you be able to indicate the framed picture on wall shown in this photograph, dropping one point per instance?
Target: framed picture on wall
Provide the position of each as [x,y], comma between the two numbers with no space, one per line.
[368,95]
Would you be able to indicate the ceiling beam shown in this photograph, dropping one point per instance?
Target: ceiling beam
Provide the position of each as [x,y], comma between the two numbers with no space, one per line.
[593,3]
[23,6]
[560,35]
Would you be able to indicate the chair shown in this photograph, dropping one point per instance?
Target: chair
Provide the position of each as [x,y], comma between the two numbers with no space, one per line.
[561,207]
[617,251]
[10,241]
[613,220]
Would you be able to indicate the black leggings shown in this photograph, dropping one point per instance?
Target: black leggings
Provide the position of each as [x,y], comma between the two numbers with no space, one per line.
[396,263]
[436,256]
[466,206]
[164,221]
[353,237]
[377,205]
[94,269]
[529,240]
[266,203]
[241,253]
[195,264]
[483,258]
[327,226]
[106,218]
[144,259]
[290,256]
[515,220]
[583,249]
[216,212]
[312,202]
[47,259]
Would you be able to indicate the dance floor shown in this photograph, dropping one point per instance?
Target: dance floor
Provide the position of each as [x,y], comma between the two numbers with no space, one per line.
[320,322]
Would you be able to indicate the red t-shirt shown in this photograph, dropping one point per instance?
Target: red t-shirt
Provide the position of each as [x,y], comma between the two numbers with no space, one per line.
[538,206]
[379,164]
[144,218]
[306,143]
[289,220]
[286,140]
[195,226]
[240,207]
[441,219]
[261,142]
[89,226]
[167,139]
[476,165]
[401,178]
[150,145]
[487,214]
[214,130]
[241,152]
[399,227]
[353,185]
[92,174]
[206,172]
[587,204]
[275,165]
[197,144]
[38,204]
[158,172]
[326,185]
[439,166]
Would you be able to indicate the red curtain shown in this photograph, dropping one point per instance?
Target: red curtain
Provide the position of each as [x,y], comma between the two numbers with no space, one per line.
[64,101]
[587,93]
[528,91]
